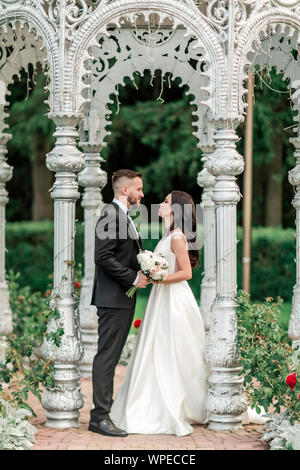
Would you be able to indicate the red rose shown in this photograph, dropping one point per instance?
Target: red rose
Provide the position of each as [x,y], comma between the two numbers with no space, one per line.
[77,284]
[299,397]
[291,381]
[137,323]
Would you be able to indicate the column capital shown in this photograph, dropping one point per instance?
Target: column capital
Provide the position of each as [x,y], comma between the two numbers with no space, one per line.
[206,149]
[92,148]
[92,176]
[225,160]
[205,179]
[227,122]
[65,118]
[65,157]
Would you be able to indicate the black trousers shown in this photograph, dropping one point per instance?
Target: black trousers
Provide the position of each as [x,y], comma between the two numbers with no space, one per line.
[113,328]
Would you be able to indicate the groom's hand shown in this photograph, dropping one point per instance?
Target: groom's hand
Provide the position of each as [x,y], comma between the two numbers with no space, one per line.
[143,280]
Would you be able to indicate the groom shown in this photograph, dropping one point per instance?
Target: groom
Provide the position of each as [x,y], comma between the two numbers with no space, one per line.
[117,244]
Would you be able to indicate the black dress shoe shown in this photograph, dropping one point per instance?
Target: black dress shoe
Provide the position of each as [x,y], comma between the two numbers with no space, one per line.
[107,428]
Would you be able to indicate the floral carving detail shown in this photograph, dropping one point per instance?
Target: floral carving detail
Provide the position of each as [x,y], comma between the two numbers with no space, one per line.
[229,402]
[152,38]
[60,163]
[62,399]
[205,179]
[218,11]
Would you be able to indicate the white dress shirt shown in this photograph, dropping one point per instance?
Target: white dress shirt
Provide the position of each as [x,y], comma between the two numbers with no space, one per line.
[125,209]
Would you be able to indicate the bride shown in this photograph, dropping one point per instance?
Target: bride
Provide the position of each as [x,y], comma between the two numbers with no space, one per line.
[164,390]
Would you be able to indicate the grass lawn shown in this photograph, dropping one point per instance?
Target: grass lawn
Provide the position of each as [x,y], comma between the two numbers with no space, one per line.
[142,298]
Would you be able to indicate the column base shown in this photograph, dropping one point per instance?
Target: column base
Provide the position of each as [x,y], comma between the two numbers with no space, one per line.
[226,402]
[224,423]
[62,420]
[62,403]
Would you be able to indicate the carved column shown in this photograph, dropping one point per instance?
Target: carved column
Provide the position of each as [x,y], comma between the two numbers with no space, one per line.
[208,285]
[294,179]
[93,179]
[5,311]
[62,403]
[226,400]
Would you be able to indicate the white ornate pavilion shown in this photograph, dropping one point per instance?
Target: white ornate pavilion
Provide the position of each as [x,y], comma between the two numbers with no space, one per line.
[86,48]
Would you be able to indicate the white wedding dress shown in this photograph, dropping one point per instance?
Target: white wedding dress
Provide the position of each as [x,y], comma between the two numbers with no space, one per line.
[164,390]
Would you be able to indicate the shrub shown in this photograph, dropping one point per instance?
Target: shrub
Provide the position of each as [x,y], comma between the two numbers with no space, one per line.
[267,357]
[280,433]
[23,370]
[16,433]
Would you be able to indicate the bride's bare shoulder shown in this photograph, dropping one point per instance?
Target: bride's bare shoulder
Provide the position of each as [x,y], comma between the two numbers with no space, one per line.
[178,234]
[178,240]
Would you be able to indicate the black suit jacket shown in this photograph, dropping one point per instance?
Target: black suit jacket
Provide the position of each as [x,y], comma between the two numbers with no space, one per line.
[116,265]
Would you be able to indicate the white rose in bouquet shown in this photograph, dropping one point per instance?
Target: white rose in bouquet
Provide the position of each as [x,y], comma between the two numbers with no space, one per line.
[152,264]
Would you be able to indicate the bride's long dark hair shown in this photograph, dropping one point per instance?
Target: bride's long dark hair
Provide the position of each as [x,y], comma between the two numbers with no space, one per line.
[184,217]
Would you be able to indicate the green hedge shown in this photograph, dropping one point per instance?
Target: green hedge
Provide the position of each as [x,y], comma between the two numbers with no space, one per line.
[273,267]
[30,252]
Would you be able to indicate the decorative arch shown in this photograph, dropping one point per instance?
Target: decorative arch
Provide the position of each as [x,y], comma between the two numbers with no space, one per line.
[19,47]
[123,54]
[282,25]
[21,19]
[196,25]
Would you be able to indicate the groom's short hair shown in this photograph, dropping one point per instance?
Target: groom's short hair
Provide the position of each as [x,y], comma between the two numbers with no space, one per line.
[121,173]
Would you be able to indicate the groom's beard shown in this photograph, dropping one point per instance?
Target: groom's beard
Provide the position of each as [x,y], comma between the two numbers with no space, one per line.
[133,200]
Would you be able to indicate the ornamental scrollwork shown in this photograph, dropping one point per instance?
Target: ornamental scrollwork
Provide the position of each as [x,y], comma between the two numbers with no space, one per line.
[229,16]
[66,16]
[123,54]
[152,38]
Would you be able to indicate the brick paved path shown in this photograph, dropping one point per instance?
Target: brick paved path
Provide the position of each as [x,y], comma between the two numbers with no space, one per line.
[81,439]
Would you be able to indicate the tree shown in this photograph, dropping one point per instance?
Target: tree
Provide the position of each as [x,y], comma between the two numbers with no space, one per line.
[32,139]
[272,152]
[156,138]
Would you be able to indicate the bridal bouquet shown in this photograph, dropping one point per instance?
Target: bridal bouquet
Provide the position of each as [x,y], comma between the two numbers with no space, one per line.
[153,264]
